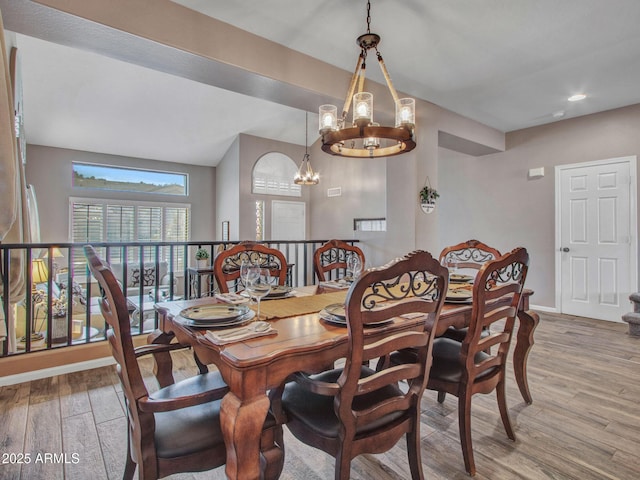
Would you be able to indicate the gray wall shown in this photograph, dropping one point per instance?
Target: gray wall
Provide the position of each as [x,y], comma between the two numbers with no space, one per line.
[228,192]
[48,169]
[364,195]
[490,198]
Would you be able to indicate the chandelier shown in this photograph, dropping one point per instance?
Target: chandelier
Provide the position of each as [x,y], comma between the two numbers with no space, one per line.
[363,138]
[306,175]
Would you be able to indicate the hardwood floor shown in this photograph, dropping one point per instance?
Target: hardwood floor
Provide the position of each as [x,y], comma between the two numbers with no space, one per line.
[584,422]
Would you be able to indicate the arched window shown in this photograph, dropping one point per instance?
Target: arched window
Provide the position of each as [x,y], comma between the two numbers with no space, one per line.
[273,175]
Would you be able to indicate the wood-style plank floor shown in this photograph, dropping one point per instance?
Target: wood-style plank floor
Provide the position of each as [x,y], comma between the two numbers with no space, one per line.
[584,422]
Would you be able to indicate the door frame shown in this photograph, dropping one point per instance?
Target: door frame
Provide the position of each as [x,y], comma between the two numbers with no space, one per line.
[632,160]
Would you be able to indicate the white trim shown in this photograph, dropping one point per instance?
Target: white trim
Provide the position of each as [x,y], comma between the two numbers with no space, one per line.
[632,160]
[53,371]
[542,308]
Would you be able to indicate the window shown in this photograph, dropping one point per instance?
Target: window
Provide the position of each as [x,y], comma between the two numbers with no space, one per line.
[273,175]
[370,224]
[259,220]
[105,177]
[97,220]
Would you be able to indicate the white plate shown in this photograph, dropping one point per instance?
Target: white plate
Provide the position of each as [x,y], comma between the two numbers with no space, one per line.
[336,310]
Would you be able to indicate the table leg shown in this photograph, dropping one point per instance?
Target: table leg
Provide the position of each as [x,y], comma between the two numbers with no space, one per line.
[528,322]
[242,422]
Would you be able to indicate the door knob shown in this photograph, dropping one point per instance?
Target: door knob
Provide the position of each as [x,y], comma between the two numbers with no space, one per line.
[565,249]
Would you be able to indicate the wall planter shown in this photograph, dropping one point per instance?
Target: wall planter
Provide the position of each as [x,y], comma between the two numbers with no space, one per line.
[428,198]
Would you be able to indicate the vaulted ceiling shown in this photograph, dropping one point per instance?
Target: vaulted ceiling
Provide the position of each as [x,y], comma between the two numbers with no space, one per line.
[509,65]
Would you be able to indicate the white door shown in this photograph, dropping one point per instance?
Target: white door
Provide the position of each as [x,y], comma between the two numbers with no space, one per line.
[288,220]
[597,233]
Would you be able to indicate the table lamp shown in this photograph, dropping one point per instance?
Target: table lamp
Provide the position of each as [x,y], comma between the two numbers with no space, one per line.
[39,274]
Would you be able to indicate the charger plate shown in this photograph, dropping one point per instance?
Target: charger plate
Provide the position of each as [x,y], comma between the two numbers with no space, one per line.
[460,278]
[214,313]
[234,322]
[278,291]
[335,314]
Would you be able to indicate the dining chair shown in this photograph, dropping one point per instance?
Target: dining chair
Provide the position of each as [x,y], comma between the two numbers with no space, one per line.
[176,428]
[226,266]
[354,410]
[465,368]
[471,254]
[332,256]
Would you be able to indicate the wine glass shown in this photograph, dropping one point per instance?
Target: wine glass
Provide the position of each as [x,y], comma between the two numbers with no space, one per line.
[246,272]
[354,267]
[259,284]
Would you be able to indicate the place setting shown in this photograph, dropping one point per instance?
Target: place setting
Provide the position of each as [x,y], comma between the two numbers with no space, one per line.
[459,294]
[216,315]
[460,278]
[335,314]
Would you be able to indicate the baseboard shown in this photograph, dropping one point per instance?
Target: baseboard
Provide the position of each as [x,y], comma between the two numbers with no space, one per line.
[542,308]
[53,371]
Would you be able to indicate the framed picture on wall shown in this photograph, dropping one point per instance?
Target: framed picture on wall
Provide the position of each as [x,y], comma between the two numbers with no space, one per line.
[225,231]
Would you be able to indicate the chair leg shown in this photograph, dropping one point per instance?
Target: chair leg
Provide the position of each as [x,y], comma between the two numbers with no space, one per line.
[343,465]
[413,451]
[464,423]
[129,466]
[504,411]
[441,396]
[202,368]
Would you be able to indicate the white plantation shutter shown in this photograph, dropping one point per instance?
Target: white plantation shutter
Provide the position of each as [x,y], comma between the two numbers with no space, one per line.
[97,220]
[87,221]
[176,229]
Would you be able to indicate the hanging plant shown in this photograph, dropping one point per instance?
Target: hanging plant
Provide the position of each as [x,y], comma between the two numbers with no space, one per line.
[428,198]
[428,195]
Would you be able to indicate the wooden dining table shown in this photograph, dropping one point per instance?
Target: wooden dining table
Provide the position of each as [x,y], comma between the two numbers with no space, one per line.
[303,342]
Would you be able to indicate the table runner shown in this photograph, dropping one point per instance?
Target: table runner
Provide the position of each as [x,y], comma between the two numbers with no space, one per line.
[292,306]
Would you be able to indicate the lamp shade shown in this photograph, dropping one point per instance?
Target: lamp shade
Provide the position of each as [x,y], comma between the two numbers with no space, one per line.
[39,272]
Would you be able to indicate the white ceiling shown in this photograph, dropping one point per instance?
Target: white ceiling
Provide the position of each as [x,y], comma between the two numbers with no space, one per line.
[508,64]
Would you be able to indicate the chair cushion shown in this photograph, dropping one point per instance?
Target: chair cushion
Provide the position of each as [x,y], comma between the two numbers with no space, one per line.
[446,361]
[188,430]
[316,411]
[191,429]
[459,333]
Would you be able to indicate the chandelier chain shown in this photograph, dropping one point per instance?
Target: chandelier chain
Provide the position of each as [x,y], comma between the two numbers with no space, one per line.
[368,16]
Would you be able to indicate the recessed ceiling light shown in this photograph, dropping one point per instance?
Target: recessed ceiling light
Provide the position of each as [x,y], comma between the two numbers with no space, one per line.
[558,114]
[577,97]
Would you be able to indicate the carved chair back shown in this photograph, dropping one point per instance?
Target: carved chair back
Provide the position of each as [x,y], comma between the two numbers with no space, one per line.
[469,254]
[226,267]
[496,296]
[333,256]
